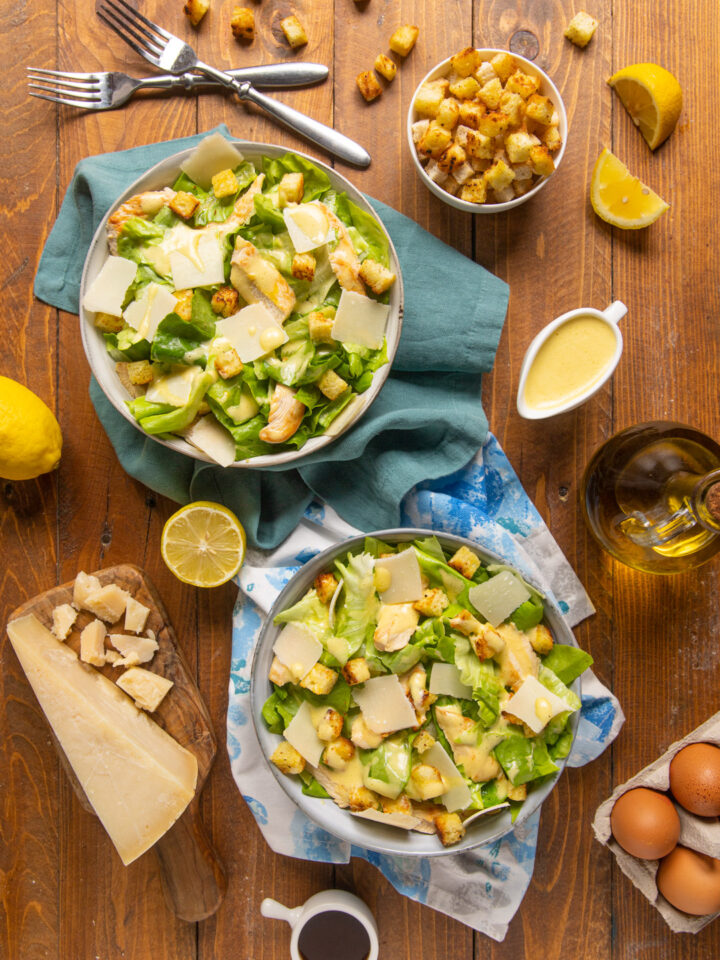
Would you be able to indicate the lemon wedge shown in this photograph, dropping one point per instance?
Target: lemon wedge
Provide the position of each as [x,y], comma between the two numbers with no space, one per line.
[653,98]
[620,198]
[203,544]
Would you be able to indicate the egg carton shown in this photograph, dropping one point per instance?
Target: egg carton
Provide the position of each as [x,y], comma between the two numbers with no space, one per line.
[698,833]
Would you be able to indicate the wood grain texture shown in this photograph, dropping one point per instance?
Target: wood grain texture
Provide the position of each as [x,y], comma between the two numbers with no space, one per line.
[654,640]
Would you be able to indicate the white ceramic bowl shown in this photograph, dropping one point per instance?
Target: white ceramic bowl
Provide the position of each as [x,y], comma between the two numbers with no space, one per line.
[103,366]
[547,89]
[326,813]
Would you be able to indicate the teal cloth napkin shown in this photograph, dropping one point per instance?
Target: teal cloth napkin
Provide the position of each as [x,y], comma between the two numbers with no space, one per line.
[427,421]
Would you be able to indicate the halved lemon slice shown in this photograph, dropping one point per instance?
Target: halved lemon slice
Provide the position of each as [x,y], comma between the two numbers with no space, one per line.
[203,544]
[653,98]
[620,198]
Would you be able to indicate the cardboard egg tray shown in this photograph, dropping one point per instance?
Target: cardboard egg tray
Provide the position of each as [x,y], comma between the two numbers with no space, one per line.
[698,833]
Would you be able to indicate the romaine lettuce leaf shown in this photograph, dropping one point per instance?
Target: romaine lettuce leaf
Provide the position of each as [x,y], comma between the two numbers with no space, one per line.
[176,418]
[121,348]
[358,603]
[310,786]
[483,677]
[567,662]
[524,760]
[176,337]
[528,614]
[339,697]
[311,613]
[387,768]
[279,709]
[316,181]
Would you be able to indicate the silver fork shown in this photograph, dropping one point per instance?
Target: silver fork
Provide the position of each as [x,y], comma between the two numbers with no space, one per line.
[105,91]
[170,53]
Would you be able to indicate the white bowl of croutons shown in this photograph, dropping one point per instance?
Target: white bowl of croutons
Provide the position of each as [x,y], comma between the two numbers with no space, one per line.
[487,129]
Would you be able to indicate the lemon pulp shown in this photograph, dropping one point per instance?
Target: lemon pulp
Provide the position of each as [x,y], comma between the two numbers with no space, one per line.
[653,98]
[203,544]
[620,198]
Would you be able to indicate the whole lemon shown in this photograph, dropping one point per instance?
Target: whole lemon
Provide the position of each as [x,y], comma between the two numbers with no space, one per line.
[30,438]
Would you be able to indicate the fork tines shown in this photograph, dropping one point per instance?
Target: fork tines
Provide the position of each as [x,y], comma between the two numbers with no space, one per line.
[124,20]
[74,89]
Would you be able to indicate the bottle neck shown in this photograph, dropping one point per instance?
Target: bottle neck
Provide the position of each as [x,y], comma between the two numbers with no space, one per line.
[705,501]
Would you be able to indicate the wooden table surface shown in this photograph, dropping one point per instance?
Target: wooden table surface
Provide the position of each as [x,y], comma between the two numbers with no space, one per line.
[63,891]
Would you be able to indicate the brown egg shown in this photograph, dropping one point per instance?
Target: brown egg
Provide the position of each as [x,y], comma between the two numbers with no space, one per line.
[690,881]
[695,779]
[645,823]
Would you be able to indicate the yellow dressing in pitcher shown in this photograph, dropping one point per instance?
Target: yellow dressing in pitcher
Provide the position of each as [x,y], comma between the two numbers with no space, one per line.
[573,358]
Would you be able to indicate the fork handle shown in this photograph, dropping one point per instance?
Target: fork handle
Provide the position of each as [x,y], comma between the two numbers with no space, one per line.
[270,75]
[327,138]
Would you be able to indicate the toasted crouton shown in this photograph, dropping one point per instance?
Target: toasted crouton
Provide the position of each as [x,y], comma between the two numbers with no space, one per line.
[330,725]
[294,31]
[484,73]
[429,97]
[195,10]
[404,39]
[242,23]
[225,301]
[491,92]
[427,781]
[385,67]
[419,129]
[518,144]
[478,146]
[449,827]
[225,184]
[339,753]
[540,109]
[436,141]
[541,161]
[517,793]
[465,562]
[464,89]
[503,64]
[228,363]
[376,275]
[184,204]
[551,138]
[513,106]
[356,671]
[499,175]
[400,804]
[331,385]
[291,189]
[140,372]
[493,123]
[279,673]
[448,113]
[320,327]
[362,736]
[423,741]
[466,62]
[581,29]
[303,266]
[320,680]
[287,759]
[541,640]
[432,603]
[325,586]
[451,159]
[183,307]
[368,85]
[523,84]
[108,323]
[471,113]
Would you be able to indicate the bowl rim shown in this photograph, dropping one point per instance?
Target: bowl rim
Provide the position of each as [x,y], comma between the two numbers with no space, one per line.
[482,208]
[324,812]
[89,333]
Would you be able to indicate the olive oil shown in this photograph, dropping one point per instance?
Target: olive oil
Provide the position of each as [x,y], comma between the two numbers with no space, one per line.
[651,497]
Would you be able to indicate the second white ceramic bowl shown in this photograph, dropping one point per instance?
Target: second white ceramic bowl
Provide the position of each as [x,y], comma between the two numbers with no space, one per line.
[103,366]
[547,89]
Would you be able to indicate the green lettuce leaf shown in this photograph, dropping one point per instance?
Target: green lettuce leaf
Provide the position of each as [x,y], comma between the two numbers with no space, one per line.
[524,760]
[359,604]
[312,613]
[279,709]
[176,418]
[316,181]
[567,662]
[388,764]
[528,614]
[310,786]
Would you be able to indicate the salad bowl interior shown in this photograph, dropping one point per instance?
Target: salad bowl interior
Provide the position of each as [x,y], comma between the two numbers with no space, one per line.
[102,365]
[325,812]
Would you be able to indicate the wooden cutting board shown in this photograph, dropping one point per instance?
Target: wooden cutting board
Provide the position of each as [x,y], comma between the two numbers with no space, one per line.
[193,877]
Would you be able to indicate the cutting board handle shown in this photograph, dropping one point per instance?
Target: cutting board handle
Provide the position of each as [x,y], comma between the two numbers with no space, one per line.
[193,879]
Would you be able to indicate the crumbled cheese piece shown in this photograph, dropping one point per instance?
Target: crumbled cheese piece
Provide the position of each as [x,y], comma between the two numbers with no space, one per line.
[64,616]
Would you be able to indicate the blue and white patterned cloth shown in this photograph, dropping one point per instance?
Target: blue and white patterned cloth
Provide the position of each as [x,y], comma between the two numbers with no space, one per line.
[484,502]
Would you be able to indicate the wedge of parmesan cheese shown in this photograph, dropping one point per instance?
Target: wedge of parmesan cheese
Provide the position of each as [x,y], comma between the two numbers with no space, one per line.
[458,795]
[535,705]
[92,643]
[108,603]
[107,291]
[384,706]
[445,682]
[404,820]
[85,585]
[298,650]
[402,573]
[301,734]
[496,598]
[360,320]
[212,155]
[134,650]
